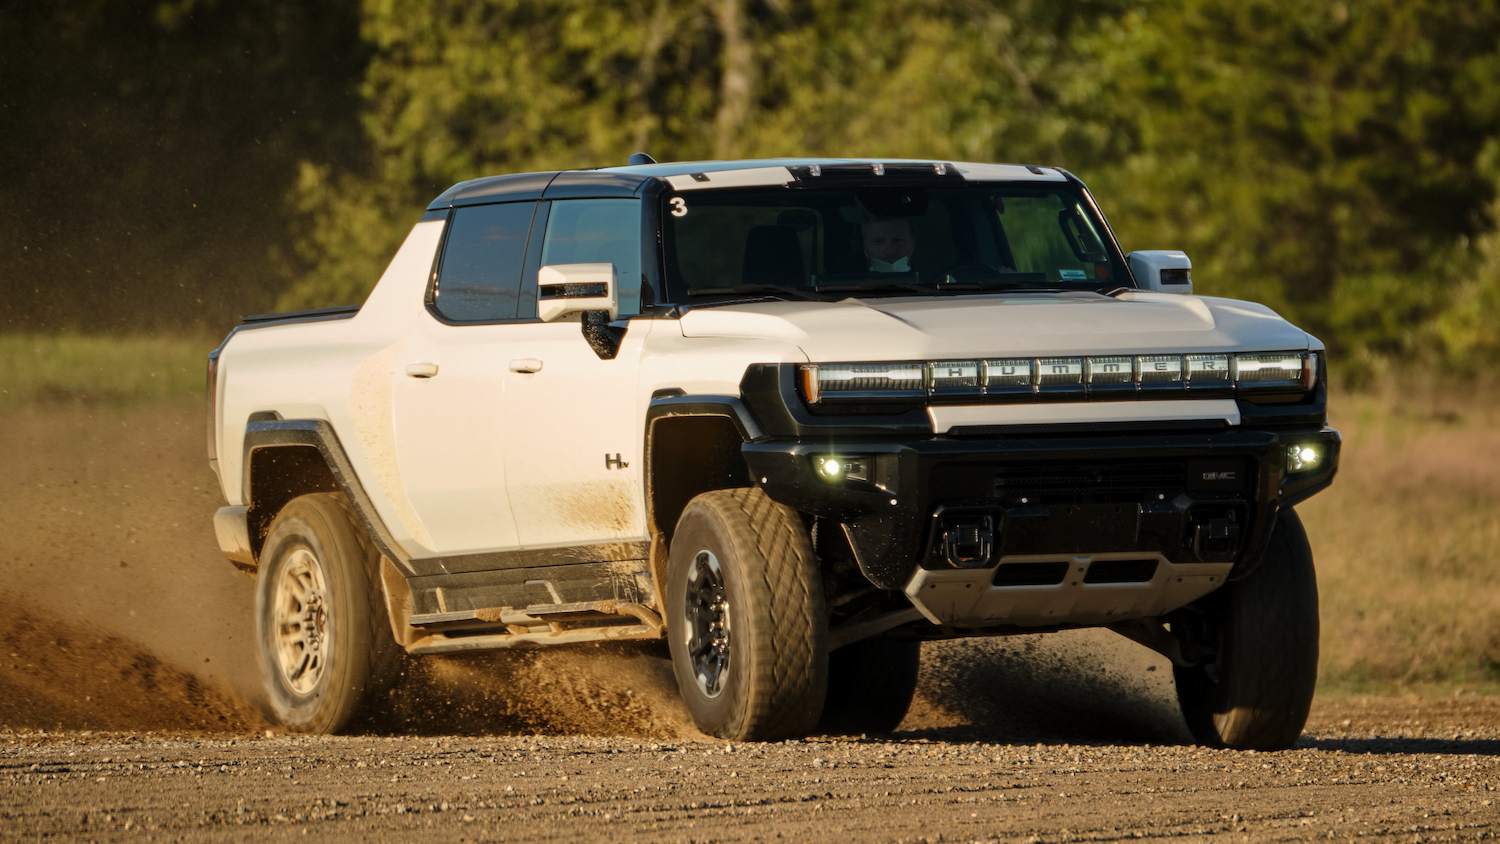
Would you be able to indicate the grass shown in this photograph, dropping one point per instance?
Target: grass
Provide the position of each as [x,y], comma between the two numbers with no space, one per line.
[1406,540]
[40,370]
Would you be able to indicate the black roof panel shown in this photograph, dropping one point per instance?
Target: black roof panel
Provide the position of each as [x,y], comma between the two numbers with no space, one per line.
[627,181]
[510,188]
[580,184]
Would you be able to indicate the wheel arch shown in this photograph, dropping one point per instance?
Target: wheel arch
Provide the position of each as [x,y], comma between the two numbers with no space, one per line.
[287,458]
[692,447]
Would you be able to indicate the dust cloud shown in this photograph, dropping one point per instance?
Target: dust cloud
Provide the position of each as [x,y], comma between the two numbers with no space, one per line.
[119,613]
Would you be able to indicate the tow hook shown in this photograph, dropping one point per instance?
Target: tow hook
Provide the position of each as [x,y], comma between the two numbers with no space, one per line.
[969,541]
[1217,539]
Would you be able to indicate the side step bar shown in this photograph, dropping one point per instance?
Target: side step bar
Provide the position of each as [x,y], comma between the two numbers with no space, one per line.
[535,626]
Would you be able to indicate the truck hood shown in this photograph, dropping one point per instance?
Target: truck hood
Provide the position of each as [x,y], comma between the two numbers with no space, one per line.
[1021,324]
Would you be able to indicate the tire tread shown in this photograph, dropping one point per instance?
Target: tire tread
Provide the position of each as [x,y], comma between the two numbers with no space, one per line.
[784,694]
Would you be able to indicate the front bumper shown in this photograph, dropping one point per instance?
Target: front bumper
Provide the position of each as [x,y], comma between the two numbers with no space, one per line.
[942,514]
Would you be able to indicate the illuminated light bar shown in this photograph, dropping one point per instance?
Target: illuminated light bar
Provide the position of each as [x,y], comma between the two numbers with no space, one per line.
[1275,371]
[956,377]
[1160,369]
[1258,368]
[1213,369]
[865,380]
[1058,372]
[1111,377]
[1119,369]
[1009,372]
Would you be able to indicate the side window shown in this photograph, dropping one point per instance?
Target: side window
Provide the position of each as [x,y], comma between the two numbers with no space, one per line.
[479,279]
[585,231]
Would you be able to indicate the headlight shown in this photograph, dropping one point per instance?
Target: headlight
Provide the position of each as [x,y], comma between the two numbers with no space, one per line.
[1284,371]
[864,381]
[1302,457]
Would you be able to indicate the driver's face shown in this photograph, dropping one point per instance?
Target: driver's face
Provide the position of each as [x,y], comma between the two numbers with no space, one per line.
[889,241]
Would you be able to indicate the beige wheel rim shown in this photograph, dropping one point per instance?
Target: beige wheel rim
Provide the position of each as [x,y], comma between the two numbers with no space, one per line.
[304,634]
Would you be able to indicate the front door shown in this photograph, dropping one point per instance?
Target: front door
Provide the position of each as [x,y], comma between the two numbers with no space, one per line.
[573,464]
[574,477]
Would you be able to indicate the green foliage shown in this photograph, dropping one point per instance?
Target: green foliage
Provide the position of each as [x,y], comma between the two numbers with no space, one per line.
[1319,157]
[459,90]
[148,148]
[42,369]
[1326,159]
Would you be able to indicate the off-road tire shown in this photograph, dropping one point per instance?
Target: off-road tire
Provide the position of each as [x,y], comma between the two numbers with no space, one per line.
[360,657]
[1257,692]
[776,674]
[870,686]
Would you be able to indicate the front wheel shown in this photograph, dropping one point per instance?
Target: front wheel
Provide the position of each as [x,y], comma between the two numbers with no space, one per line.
[746,619]
[1256,692]
[324,644]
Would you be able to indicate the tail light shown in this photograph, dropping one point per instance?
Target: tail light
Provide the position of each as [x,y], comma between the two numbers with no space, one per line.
[213,408]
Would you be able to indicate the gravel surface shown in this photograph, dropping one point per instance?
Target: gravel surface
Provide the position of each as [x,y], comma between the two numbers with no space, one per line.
[1384,768]
[130,710]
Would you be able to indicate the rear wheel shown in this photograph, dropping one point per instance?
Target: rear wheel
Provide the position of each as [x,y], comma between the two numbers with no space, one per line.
[870,686]
[1256,692]
[323,640]
[746,619]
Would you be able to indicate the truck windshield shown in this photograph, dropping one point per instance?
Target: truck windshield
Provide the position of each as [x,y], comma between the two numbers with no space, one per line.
[884,241]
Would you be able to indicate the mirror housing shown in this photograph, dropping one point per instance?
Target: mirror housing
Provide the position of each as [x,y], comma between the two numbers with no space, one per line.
[571,290]
[1162,270]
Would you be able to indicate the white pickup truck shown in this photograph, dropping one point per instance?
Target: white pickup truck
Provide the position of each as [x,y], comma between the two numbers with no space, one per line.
[792,417]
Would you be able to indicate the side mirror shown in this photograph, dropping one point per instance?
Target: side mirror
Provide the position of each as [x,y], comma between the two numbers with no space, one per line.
[1163,270]
[569,290]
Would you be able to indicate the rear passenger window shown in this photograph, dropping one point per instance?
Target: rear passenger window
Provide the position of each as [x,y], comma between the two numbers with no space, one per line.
[479,278]
[586,231]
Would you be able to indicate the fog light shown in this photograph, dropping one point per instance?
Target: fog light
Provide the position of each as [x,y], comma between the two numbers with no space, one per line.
[1301,458]
[833,468]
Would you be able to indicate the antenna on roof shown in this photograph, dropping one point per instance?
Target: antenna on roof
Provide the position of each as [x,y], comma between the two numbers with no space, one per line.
[641,158]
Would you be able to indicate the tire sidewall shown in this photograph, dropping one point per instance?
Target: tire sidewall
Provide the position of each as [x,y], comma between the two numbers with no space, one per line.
[1268,651]
[702,530]
[328,706]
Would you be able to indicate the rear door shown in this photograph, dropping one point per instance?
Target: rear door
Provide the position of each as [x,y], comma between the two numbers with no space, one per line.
[573,462]
[450,382]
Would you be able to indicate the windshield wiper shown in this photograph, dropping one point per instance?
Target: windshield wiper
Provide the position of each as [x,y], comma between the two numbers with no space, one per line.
[875,287]
[768,289]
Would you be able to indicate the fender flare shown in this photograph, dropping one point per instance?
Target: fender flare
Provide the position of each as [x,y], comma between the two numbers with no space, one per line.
[268,429]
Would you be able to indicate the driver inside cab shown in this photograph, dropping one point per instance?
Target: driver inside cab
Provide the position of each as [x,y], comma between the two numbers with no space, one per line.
[888,245]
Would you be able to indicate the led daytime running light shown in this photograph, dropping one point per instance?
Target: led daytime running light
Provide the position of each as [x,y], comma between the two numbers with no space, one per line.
[1246,373]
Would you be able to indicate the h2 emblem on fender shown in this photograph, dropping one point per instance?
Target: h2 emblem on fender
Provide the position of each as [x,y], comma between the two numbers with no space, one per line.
[613,461]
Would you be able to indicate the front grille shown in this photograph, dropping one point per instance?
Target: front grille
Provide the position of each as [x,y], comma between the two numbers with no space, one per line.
[1122,482]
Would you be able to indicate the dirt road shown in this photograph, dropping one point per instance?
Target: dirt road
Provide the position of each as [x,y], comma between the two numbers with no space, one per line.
[121,627]
[1364,770]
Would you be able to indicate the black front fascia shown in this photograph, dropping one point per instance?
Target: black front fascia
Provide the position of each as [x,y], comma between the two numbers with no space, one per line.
[1191,496]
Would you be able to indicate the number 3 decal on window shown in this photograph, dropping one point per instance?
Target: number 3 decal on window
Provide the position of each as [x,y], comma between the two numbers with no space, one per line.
[679,206]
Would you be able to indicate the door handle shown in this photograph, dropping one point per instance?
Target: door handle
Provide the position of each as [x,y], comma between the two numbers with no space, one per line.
[421,370]
[526,365]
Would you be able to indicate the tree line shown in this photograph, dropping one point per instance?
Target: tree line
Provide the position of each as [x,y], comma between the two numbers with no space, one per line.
[1338,161]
